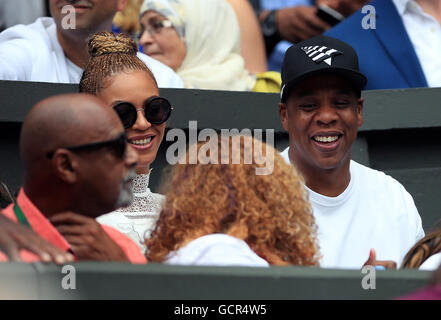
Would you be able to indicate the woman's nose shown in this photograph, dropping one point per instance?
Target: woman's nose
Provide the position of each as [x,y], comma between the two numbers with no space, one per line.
[141,121]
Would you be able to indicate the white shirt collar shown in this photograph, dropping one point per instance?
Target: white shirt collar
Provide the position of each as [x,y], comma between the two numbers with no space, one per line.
[403,5]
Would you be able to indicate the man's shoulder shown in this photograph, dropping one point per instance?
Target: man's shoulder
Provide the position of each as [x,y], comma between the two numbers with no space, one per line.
[351,28]
[367,172]
[372,178]
[35,31]
[285,155]
[367,177]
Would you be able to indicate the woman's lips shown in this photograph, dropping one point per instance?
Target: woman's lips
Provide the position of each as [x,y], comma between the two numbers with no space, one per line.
[142,143]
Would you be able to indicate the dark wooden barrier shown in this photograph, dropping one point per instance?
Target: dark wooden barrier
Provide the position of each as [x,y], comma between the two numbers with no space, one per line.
[155,281]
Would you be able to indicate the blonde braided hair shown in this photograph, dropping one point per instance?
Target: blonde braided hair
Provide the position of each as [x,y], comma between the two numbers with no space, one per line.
[110,54]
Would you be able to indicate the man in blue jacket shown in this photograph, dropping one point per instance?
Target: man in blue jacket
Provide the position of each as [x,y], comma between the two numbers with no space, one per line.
[399,48]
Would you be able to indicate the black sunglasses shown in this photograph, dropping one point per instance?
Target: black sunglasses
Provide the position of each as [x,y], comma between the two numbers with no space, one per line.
[157,110]
[118,144]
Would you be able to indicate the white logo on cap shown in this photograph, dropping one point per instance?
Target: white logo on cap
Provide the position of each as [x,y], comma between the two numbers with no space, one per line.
[321,53]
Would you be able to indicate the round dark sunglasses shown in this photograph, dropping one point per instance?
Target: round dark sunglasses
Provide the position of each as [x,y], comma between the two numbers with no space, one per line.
[118,144]
[157,110]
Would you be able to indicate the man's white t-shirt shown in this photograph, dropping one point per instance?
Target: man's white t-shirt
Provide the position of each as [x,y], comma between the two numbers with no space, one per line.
[375,211]
[216,250]
[32,53]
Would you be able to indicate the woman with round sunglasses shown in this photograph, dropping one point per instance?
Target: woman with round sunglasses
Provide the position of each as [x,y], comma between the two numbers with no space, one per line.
[117,76]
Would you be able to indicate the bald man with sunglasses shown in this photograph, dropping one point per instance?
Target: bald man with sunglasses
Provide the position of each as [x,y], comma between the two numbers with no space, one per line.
[77,166]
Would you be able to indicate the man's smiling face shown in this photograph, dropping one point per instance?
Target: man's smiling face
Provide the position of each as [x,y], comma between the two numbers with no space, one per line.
[322,116]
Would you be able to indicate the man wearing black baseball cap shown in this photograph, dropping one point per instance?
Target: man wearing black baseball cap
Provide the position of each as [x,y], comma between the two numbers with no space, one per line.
[362,214]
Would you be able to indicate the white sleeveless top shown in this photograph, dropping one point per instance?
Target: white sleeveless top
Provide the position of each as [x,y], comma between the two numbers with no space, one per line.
[138,220]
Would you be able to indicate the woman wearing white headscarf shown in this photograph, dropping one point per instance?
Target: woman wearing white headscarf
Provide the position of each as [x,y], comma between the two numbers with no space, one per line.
[200,40]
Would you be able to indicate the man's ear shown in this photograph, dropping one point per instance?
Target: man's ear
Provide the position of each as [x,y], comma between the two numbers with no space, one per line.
[360,104]
[65,166]
[122,4]
[283,113]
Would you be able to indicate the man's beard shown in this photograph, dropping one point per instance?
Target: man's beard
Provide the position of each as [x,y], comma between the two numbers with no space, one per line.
[125,197]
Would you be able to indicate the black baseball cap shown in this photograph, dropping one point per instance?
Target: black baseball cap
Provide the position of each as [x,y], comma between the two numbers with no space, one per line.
[317,55]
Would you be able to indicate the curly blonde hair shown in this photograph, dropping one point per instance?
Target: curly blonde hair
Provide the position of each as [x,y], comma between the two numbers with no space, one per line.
[270,212]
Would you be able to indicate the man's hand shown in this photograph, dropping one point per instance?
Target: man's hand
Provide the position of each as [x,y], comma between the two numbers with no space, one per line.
[345,7]
[372,261]
[299,23]
[14,237]
[87,238]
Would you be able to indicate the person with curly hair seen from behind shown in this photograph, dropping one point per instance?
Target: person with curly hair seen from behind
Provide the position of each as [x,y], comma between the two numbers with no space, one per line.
[119,78]
[226,214]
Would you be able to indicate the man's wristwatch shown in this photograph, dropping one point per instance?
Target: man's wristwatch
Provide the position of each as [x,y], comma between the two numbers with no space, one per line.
[269,25]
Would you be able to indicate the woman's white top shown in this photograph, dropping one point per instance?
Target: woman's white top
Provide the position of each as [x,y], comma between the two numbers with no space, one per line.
[139,219]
